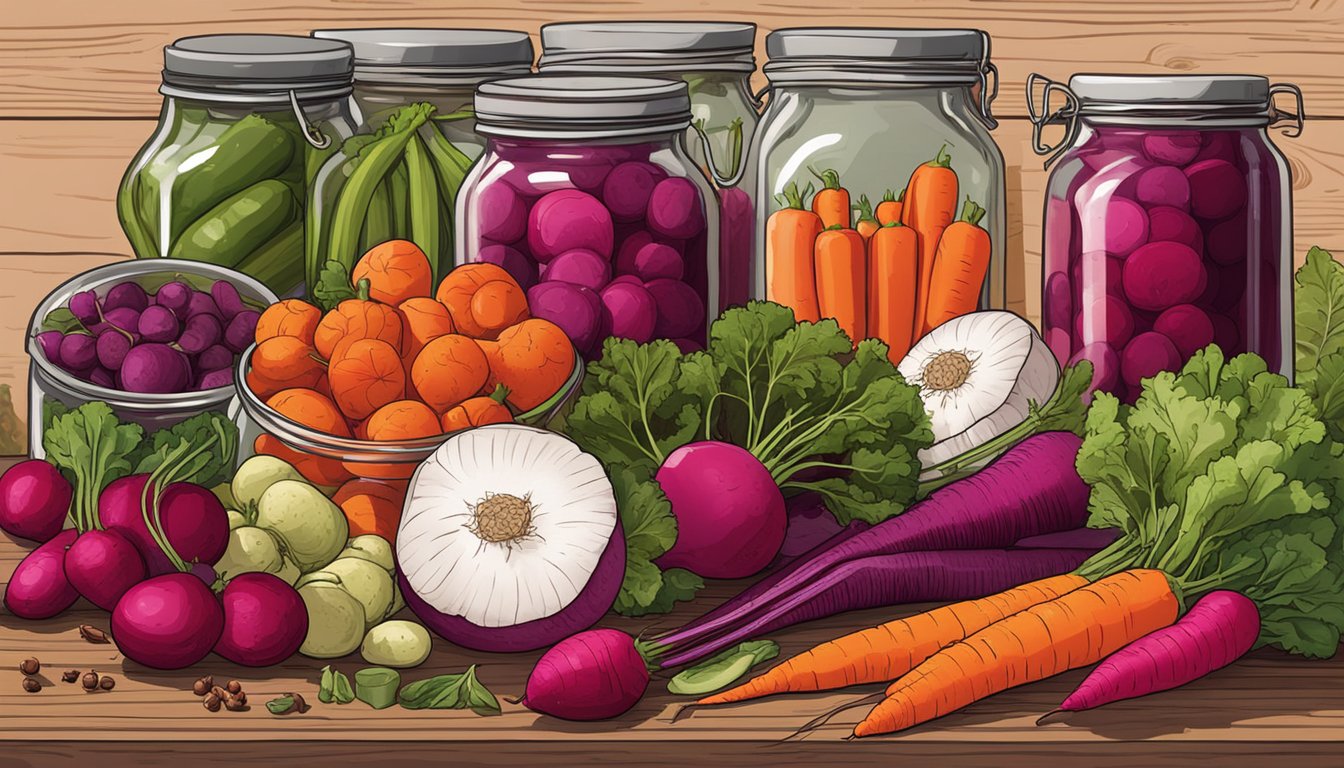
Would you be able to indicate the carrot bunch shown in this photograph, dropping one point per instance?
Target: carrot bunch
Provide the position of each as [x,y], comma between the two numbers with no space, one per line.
[402,361]
[896,272]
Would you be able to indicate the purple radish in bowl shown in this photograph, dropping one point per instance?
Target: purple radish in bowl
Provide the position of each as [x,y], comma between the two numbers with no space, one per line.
[170,621]
[126,295]
[175,296]
[241,330]
[39,589]
[112,348]
[154,369]
[123,319]
[50,343]
[84,306]
[102,566]
[102,377]
[78,352]
[226,298]
[566,220]
[34,500]
[199,333]
[202,303]
[159,324]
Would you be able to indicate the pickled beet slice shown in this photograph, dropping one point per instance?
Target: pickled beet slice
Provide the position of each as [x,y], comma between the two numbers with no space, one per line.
[1174,224]
[1147,354]
[1188,327]
[1226,335]
[523,269]
[1228,241]
[1122,222]
[1176,148]
[1164,274]
[1217,189]
[1163,185]
[1107,319]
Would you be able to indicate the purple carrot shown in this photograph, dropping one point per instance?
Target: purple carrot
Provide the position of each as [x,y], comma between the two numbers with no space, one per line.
[1030,490]
[1217,631]
[1078,538]
[883,580]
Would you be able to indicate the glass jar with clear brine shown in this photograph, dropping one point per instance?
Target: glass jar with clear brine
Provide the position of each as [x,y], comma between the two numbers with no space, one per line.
[397,178]
[247,120]
[587,197]
[1167,223]
[716,60]
[873,143]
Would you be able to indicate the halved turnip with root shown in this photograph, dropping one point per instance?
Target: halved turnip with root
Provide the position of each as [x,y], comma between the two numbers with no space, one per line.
[510,539]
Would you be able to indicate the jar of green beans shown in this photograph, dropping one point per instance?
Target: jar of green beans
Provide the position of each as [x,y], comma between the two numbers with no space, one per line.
[398,176]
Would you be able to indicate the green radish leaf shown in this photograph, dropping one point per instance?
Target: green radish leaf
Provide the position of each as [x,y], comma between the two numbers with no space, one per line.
[63,320]
[1318,309]
[90,444]
[326,688]
[452,691]
[723,669]
[333,286]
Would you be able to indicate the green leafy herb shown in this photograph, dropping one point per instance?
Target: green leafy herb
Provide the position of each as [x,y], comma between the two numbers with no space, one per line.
[1319,330]
[334,286]
[207,468]
[334,687]
[457,691]
[723,669]
[63,320]
[1223,477]
[91,445]
[798,396]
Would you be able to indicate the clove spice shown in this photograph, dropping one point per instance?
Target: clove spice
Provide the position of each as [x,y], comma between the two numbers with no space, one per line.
[203,685]
[30,666]
[31,684]
[107,683]
[93,634]
[70,676]
[211,702]
[90,681]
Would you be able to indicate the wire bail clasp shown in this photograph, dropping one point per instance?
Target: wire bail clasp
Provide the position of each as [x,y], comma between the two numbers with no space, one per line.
[311,133]
[1297,116]
[1067,114]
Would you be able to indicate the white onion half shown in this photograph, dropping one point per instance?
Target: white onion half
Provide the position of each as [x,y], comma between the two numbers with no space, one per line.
[457,571]
[978,375]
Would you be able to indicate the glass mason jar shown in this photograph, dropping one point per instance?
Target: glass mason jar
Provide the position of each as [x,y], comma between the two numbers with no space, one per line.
[1168,223]
[424,76]
[53,389]
[586,195]
[876,112]
[247,120]
[716,59]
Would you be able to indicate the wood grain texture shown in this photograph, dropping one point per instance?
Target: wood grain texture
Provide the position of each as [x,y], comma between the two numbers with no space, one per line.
[109,64]
[1267,697]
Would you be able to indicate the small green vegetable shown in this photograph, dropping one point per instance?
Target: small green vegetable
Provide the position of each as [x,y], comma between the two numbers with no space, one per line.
[239,225]
[251,150]
[456,691]
[279,262]
[377,686]
[290,703]
[423,208]
[722,670]
[334,687]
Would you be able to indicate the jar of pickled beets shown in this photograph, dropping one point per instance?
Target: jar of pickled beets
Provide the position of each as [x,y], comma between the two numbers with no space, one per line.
[587,196]
[1168,223]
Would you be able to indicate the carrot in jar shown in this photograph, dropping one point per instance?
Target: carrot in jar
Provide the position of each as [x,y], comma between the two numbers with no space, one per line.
[790,236]
[842,280]
[831,202]
[930,205]
[893,270]
[889,210]
[959,269]
[867,223]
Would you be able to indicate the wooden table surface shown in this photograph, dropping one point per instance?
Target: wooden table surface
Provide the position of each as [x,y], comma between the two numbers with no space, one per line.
[78,97]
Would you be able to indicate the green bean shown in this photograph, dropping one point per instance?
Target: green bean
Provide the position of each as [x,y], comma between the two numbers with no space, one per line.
[399,186]
[422,206]
[378,222]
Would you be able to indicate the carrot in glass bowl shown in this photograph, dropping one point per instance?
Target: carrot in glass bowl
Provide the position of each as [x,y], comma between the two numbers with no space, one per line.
[397,270]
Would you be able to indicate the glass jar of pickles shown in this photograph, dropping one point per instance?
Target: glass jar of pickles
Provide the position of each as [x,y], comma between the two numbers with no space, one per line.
[875,144]
[586,196]
[1168,222]
[247,120]
[407,81]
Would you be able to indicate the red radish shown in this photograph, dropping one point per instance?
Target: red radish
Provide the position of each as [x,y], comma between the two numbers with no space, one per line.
[193,521]
[730,513]
[1032,489]
[1217,631]
[911,577]
[102,565]
[593,675]
[265,620]
[39,589]
[167,622]
[34,500]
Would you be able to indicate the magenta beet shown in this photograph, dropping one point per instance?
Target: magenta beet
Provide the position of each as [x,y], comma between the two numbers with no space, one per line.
[576,309]
[1175,148]
[167,622]
[565,220]
[127,295]
[627,188]
[1217,189]
[38,589]
[1105,365]
[680,310]
[1162,185]
[523,269]
[78,352]
[632,309]
[192,518]
[730,513]
[102,565]
[1106,319]
[1147,354]
[265,620]
[675,209]
[1161,275]
[629,250]
[659,260]
[580,267]
[1228,241]
[1124,224]
[1174,224]
[1188,327]
[34,500]
[503,213]
[158,368]
[594,675]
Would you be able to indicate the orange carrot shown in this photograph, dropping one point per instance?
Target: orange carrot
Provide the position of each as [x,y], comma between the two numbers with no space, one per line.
[959,269]
[290,317]
[1080,628]
[885,652]
[930,205]
[842,280]
[371,506]
[448,370]
[402,420]
[478,411]
[365,375]
[287,359]
[831,203]
[397,270]
[867,223]
[790,235]
[532,359]
[889,210]
[893,270]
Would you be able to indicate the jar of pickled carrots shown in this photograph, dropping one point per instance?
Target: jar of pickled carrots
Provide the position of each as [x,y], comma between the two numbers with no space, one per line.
[1168,222]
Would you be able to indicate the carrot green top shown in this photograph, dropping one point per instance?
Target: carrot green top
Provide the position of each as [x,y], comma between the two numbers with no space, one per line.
[865,209]
[941,160]
[971,212]
[829,178]
[794,198]
[891,197]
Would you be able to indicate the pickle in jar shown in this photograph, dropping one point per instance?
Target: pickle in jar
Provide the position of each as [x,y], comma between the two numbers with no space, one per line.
[238,225]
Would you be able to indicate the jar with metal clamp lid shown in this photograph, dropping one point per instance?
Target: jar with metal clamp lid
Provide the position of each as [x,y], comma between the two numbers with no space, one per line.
[246,122]
[881,135]
[1168,222]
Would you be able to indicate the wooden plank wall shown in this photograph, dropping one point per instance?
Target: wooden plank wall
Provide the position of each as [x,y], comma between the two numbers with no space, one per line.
[78,96]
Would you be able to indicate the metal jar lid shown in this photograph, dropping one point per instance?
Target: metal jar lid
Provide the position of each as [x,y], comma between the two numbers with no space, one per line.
[581,106]
[858,57]
[648,46]
[257,68]
[1167,101]
[412,56]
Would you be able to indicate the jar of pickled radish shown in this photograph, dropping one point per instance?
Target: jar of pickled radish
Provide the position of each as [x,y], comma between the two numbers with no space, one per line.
[875,165]
[1168,222]
[586,195]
